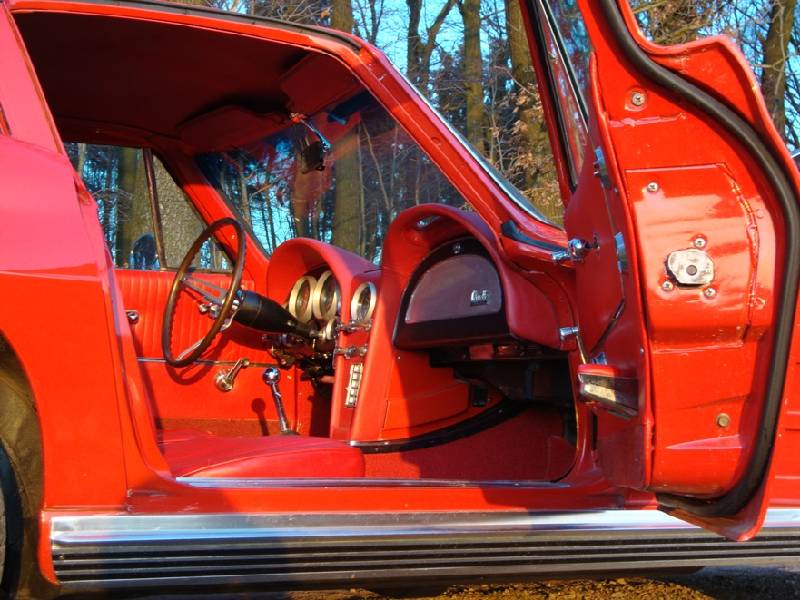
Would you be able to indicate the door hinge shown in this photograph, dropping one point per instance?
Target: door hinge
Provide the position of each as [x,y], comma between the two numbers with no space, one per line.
[601,168]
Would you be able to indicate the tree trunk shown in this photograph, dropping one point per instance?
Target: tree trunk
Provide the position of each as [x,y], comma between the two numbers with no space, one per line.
[525,85]
[776,46]
[133,208]
[414,47]
[473,71]
[342,15]
[347,213]
[180,223]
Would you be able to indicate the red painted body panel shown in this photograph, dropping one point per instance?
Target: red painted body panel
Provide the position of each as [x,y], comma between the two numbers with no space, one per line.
[694,356]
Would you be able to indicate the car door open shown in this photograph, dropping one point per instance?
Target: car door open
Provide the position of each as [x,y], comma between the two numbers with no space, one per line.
[683,237]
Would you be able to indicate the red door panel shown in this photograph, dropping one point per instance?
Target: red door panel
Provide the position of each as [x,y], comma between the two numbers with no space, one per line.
[189,397]
[699,202]
[146,292]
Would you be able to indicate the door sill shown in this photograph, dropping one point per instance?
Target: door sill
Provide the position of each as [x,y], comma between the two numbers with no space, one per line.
[366,482]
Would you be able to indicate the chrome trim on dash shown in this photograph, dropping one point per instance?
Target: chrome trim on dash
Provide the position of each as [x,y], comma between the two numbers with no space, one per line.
[135,551]
[213,363]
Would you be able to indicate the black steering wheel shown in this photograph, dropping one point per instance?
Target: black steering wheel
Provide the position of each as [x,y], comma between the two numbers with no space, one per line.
[215,301]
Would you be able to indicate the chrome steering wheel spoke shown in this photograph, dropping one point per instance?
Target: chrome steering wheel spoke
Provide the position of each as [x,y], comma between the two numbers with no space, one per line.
[196,284]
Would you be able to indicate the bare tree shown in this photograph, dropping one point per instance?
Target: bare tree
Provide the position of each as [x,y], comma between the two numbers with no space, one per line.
[776,46]
[473,72]
[765,30]
[420,50]
[347,221]
[370,17]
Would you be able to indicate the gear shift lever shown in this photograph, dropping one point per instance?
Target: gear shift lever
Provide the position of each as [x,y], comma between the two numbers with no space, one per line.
[272,377]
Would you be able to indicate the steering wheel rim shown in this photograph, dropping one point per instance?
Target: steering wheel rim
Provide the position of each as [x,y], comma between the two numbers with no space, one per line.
[224,309]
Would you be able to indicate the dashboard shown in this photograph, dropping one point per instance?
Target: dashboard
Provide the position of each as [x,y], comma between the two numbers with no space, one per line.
[386,336]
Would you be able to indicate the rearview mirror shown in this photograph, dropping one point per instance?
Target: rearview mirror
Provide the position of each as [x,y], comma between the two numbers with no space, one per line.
[312,154]
[312,157]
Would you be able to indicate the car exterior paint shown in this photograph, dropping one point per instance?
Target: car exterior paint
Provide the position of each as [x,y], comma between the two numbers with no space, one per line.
[692,354]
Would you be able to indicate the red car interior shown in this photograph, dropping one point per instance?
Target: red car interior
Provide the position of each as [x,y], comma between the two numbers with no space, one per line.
[405,398]
[193,454]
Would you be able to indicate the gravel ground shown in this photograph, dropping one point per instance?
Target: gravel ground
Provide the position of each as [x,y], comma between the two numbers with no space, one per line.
[735,583]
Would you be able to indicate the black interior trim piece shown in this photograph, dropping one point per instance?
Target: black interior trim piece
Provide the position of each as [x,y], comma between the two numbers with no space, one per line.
[500,412]
[510,230]
[748,485]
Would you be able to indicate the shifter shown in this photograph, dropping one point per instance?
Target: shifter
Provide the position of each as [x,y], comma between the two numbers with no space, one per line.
[272,377]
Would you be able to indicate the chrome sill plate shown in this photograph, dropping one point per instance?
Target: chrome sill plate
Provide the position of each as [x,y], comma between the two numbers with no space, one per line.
[330,550]
[274,482]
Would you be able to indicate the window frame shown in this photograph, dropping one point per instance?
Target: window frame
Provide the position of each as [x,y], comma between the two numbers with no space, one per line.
[543,15]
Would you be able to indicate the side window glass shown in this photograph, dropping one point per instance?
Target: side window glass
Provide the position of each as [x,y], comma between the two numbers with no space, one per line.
[571,30]
[145,227]
[567,49]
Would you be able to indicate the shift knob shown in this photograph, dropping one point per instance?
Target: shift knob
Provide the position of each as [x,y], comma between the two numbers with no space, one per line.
[271,376]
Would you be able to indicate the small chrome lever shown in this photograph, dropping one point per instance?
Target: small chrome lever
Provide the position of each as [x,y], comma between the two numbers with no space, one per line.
[576,251]
[272,376]
[352,326]
[225,379]
[350,351]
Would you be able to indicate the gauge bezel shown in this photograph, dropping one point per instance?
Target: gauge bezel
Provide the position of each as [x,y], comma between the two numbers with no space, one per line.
[354,301]
[330,330]
[316,298]
[305,316]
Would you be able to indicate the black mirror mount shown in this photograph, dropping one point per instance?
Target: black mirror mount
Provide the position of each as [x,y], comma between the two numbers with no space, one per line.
[313,154]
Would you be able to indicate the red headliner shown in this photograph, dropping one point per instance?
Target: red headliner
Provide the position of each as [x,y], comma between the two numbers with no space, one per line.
[149,76]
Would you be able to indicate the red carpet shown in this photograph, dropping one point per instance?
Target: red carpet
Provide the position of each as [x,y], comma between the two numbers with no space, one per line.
[526,447]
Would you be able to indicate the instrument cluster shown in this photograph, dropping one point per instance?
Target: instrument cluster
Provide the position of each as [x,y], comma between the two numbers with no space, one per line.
[318,299]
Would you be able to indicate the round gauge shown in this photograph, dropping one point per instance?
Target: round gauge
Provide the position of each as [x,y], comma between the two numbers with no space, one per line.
[327,298]
[363,303]
[300,298]
[329,330]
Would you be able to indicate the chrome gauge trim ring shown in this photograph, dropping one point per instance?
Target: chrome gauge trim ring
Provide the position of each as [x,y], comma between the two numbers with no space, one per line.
[355,303]
[304,314]
[329,331]
[325,313]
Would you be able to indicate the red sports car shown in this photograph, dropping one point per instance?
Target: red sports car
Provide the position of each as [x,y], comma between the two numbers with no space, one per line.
[267,320]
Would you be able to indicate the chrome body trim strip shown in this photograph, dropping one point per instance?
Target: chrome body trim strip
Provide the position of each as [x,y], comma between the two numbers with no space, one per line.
[94,552]
[295,482]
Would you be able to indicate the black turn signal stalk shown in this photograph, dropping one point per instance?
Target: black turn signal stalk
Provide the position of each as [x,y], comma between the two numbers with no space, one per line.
[265,314]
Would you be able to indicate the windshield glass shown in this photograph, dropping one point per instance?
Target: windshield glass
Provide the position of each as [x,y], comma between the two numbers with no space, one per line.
[339,176]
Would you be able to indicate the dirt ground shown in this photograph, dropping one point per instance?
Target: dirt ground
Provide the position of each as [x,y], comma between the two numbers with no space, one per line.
[724,583]
[720,583]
